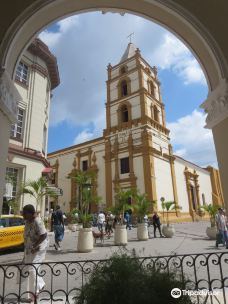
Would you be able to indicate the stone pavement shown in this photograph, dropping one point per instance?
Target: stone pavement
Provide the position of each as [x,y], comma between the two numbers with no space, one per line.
[189,238]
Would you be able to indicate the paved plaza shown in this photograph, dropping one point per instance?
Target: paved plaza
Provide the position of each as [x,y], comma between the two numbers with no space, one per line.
[189,238]
[61,278]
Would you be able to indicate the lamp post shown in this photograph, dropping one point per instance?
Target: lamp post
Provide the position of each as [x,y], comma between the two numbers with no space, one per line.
[162,199]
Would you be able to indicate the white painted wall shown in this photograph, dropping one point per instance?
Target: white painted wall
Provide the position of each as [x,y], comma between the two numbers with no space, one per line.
[181,186]
[163,180]
[138,170]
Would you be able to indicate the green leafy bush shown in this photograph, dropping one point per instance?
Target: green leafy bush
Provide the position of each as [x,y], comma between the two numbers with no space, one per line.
[123,279]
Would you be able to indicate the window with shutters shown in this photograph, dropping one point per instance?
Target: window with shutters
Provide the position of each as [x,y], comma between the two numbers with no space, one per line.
[17,129]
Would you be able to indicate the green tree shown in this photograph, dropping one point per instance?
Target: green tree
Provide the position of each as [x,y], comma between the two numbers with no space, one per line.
[168,206]
[142,206]
[88,198]
[37,189]
[82,179]
[122,202]
[212,210]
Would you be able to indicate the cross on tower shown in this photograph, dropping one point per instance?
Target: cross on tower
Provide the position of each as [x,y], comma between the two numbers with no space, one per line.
[129,36]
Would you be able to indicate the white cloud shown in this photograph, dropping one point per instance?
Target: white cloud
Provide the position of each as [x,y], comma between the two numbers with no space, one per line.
[83,136]
[192,141]
[173,54]
[53,38]
[86,43]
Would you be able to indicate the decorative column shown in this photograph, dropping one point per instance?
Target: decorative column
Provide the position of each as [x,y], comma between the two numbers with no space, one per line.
[9,98]
[148,166]
[116,157]
[173,176]
[73,186]
[131,161]
[108,173]
[216,107]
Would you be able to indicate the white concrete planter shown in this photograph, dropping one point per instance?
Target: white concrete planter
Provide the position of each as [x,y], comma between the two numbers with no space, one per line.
[73,227]
[211,232]
[120,235]
[85,240]
[79,226]
[70,226]
[168,231]
[142,232]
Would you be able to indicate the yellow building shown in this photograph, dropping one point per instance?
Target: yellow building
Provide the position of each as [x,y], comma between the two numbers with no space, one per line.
[135,149]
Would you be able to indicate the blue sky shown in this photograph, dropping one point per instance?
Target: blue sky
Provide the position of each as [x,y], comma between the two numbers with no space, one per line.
[86,43]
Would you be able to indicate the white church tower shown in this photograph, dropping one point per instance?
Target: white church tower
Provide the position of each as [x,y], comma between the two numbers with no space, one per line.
[137,139]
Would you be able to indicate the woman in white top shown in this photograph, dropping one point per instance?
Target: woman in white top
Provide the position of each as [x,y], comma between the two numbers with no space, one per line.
[35,244]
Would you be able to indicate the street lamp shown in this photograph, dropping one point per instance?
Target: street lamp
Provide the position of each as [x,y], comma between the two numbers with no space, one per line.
[162,199]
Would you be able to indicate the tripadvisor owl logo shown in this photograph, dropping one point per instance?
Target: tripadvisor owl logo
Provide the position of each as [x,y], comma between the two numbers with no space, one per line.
[176,293]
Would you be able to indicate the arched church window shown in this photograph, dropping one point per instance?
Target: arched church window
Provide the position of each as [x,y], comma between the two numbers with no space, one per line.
[156,113]
[124,88]
[151,88]
[125,116]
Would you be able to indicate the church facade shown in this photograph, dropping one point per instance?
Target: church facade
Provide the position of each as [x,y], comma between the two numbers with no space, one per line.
[135,149]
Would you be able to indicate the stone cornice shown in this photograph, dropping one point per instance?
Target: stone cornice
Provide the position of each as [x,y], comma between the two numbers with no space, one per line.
[216,105]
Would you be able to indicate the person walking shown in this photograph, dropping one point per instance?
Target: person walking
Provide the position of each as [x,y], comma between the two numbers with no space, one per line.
[221,223]
[57,221]
[35,246]
[156,224]
[127,218]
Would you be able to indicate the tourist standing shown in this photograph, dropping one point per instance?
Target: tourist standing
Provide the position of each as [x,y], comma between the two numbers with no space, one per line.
[35,244]
[156,224]
[57,222]
[221,223]
[109,224]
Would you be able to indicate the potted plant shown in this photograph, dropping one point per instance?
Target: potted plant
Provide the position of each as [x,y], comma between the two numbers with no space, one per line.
[141,208]
[72,219]
[168,230]
[85,236]
[211,210]
[121,206]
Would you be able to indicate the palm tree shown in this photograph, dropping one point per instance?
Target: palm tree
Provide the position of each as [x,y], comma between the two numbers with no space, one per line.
[82,179]
[212,210]
[38,189]
[142,206]
[87,199]
[122,202]
[168,206]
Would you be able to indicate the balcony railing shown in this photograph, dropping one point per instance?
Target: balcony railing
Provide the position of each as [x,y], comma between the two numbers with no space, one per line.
[64,280]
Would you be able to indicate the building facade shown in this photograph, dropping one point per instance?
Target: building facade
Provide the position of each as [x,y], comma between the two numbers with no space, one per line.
[36,76]
[135,150]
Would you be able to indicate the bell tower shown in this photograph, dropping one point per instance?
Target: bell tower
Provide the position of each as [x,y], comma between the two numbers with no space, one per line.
[135,124]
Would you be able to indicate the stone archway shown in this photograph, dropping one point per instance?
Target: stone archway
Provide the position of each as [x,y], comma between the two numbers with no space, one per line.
[174,15]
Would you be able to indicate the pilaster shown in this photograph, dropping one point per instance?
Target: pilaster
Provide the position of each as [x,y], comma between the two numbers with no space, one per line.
[108,173]
[148,166]
[216,108]
[174,181]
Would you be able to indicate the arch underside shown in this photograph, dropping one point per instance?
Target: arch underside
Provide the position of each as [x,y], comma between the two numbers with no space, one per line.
[166,13]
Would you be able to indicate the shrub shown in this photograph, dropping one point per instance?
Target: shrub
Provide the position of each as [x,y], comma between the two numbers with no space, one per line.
[123,279]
